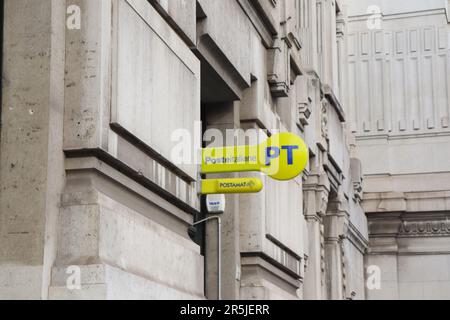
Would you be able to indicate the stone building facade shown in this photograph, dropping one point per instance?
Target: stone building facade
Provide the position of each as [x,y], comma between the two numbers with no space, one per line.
[398,72]
[88,182]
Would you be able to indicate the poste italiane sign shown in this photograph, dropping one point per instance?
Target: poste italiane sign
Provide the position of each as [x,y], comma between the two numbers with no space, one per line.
[283,157]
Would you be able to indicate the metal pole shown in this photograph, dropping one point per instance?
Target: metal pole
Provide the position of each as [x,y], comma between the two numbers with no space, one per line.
[219,252]
[219,258]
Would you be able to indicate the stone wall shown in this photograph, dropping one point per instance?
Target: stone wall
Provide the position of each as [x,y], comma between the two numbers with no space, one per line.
[86,170]
[398,104]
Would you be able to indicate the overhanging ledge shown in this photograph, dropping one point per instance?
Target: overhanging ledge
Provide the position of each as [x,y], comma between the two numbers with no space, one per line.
[334,101]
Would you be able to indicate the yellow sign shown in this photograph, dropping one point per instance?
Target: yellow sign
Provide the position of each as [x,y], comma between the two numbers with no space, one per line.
[228,186]
[283,157]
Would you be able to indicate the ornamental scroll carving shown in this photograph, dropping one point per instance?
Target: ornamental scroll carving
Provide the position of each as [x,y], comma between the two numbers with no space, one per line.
[324,119]
[425,228]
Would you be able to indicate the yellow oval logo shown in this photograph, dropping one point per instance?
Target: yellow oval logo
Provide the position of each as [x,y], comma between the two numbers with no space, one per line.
[285,156]
[282,157]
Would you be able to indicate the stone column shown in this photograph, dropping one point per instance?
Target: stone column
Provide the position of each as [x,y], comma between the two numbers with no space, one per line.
[336,222]
[315,190]
[31,156]
[382,258]
[225,117]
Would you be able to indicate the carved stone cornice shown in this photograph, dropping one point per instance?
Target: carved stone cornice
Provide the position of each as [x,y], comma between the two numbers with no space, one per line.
[420,224]
[424,228]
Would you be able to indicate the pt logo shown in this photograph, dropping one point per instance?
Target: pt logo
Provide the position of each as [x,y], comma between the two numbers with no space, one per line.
[282,157]
[285,156]
[274,153]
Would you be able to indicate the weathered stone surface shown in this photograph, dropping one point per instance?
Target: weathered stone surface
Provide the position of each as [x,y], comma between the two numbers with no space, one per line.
[31,158]
[109,96]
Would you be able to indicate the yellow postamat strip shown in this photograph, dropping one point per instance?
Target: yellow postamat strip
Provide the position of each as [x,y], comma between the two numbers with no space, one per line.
[231,186]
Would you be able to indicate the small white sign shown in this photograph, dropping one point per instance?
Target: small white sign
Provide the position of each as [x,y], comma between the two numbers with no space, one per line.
[215,203]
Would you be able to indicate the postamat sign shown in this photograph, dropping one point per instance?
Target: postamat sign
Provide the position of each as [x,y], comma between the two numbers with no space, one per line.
[282,157]
[227,186]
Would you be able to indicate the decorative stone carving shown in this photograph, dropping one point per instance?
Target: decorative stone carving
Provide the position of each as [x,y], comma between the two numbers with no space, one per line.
[324,119]
[322,254]
[304,112]
[425,228]
[358,191]
[323,203]
[340,26]
[357,179]
[344,268]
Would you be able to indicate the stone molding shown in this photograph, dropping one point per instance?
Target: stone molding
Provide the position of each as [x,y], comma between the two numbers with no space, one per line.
[425,228]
